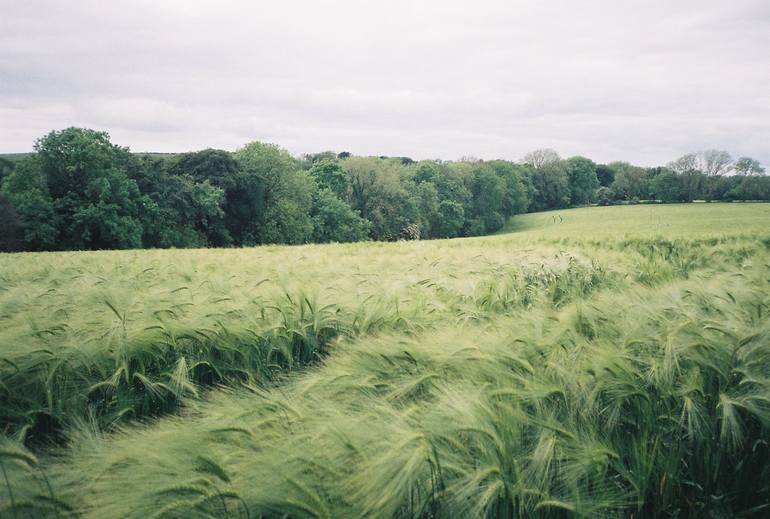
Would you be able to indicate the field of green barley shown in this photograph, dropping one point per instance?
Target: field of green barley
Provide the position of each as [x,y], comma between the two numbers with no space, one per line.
[596,362]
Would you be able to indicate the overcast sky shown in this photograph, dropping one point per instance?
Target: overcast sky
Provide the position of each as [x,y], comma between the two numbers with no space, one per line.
[644,81]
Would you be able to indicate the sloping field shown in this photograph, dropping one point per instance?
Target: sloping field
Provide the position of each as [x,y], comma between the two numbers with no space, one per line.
[592,362]
[669,221]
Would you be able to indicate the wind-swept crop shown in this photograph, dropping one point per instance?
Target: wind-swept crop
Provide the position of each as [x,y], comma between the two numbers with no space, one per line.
[491,378]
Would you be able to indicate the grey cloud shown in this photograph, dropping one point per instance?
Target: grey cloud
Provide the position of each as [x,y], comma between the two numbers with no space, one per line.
[638,80]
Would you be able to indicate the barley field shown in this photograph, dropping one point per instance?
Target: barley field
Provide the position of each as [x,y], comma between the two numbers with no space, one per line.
[597,362]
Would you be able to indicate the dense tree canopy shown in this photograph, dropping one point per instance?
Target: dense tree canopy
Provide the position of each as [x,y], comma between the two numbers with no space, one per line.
[78,190]
[77,182]
[582,180]
[335,221]
[550,186]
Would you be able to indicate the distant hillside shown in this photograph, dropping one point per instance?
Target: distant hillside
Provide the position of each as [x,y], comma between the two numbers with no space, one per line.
[14,157]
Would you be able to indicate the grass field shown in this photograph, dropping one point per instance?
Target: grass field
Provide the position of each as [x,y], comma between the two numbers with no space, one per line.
[670,221]
[599,362]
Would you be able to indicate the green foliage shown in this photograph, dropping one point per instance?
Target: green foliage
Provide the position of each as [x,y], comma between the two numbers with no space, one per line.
[582,180]
[27,189]
[335,221]
[550,186]
[380,196]
[516,196]
[184,213]
[630,181]
[6,167]
[451,219]
[749,188]
[80,191]
[488,191]
[329,174]
[442,198]
[10,226]
[603,196]
[288,219]
[605,175]
[217,166]
[667,186]
[270,182]
[426,199]
[95,204]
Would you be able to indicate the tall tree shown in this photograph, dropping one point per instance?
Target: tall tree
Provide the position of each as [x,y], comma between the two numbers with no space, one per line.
[27,191]
[182,211]
[550,186]
[687,167]
[667,186]
[605,175]
[335,221]
[96,204]
[329,174]
[630,183]
[488,191]
[516,197]
[452,219]
[582,180]
[713,164]
[269,181]
[378,192]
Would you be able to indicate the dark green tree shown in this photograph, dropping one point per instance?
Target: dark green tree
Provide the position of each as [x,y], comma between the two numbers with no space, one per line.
[6,166]
[96,205]
[488,191]
[605,175]
[27,190]
[686,167]
[378,192]
[516,197]
[288,215]
[10,226]
[582,180]
[452,219]
[750,187]
[426,200]
[329,174]
[335,221]
[217,166]
[667,186]
[550,186]
[269,182]
[184,213]
[631,182]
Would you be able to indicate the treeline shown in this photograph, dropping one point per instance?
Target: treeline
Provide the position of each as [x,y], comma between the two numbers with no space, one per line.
[80,191]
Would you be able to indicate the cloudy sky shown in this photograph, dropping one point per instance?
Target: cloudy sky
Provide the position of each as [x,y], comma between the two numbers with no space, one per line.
[644,81]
